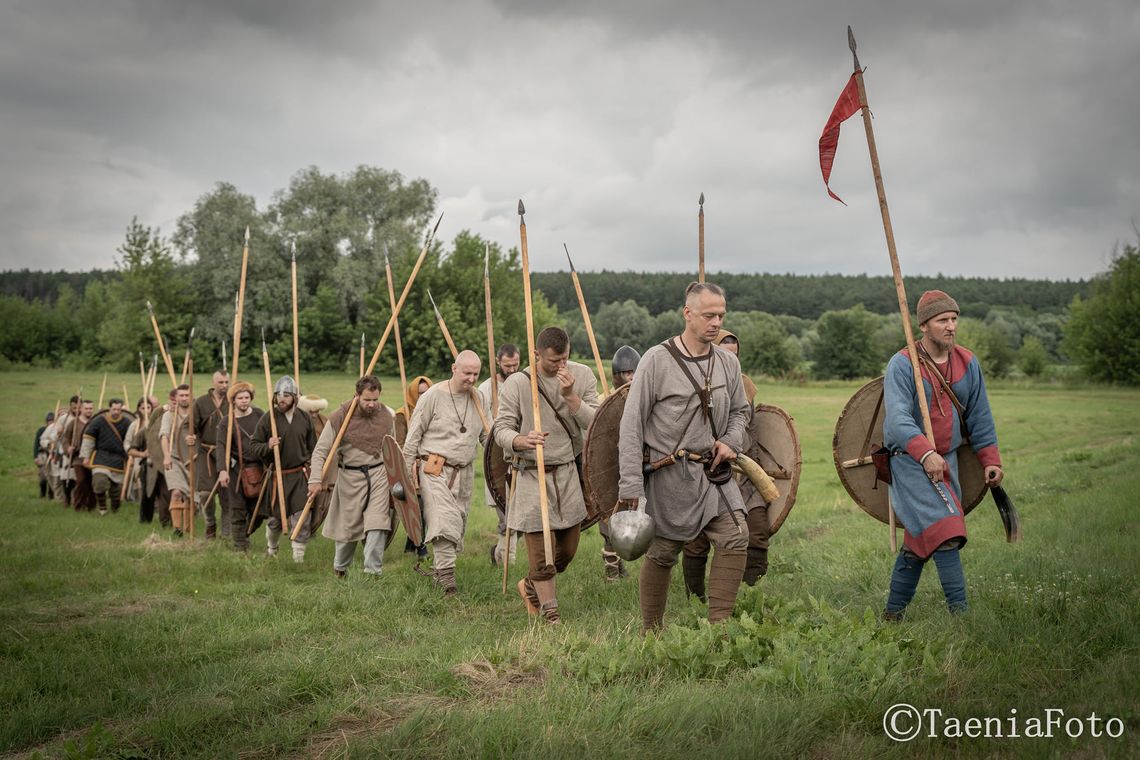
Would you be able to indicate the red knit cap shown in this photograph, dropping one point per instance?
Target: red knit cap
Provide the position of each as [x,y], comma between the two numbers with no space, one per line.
[935,302]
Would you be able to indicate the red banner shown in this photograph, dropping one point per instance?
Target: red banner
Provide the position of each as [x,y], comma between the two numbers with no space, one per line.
[845,107]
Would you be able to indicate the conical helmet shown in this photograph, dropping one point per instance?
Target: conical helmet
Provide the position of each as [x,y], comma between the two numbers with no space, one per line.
[626,359]
[632,532]
[286,384]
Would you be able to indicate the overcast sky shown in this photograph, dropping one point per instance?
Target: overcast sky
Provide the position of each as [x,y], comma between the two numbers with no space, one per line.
[1008,131]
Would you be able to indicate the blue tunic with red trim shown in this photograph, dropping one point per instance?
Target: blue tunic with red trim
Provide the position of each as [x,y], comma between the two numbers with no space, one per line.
[932,513]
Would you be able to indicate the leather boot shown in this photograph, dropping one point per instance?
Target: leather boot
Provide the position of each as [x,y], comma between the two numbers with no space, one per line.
[724,581]
[756,566]
[694,571]
[653,592]
[547,601]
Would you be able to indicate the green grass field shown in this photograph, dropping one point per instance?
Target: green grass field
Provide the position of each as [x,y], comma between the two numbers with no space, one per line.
[116,641]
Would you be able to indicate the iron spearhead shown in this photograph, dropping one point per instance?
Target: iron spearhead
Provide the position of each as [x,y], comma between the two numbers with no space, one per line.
[438,316]
[362,340]
[486,261]
[851,44]
[701,201]
[149,308]
[572,269]
[247,234]
[522,208]
[294,249]
[264,350]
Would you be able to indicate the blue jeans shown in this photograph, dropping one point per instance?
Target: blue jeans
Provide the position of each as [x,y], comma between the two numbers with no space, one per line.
[908,571]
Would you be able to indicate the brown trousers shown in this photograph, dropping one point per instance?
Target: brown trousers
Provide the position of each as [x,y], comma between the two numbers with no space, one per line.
[564,543]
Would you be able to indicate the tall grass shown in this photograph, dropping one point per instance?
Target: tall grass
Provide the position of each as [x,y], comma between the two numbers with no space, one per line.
[117,641]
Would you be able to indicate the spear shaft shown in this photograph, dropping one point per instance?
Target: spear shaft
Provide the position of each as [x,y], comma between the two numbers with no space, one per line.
[272,412]
[539,458]
[589,326]
[238,312]
[701,239]
[399,343]
[162,346]
[296,345]
[102,392]
[896,270]
[490,329]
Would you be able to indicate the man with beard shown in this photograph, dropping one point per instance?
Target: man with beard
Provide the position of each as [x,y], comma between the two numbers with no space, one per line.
[104,448]
[243,476]
[358,507]
[294,442]
[41,455]
[82,497]
[136,439]
[569,398]
[207,410]
[686,399]
[441,443]
[177,441]
[60,476]
[507,360]
[924,488]
[696,552]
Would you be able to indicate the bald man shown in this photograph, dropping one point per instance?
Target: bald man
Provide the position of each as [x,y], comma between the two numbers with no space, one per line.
[441,444]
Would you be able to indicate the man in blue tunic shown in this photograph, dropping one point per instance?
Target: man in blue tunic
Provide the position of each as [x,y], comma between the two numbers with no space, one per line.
[925,491]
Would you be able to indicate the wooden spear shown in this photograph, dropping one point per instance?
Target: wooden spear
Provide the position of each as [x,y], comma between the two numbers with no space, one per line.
[396,328]
[589,326]
[238,313]
[102,392]
[193,466]
[273,430]
[539,458]
[296,346]
[331,457]
[142,374]
[186,358]
[361,355]
[126,397]
[490,329]
[225,360]
[896,270]
[455,355]
[701,239]
[162,346]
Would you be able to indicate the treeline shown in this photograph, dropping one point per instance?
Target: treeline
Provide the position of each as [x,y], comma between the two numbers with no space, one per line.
[345,228]
[808,296]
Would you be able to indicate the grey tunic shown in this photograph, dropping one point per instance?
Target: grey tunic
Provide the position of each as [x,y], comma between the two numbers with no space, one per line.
[516,417]
[435,429]
[347,519]
[660,403]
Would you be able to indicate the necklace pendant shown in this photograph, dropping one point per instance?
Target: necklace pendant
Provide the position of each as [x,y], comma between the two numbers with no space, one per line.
[462,428]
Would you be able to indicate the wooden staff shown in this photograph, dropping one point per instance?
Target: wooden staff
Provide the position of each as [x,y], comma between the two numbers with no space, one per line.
[126,398]
[589,326]
[296,345]
[142,374]
[506,516]
[900,291]
[490,329]
[193,466]
[238,312]
[455,355]
[361,355]
[162,346]
[539,458]
[701,239]
[225,363]
[331,457]
[102,392]
[273,432]
[396,328]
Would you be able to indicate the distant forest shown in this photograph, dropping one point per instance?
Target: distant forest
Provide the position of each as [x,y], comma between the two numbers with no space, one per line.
[804,296]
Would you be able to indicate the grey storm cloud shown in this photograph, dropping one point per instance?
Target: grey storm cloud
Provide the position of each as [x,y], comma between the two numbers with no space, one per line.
[1006,130]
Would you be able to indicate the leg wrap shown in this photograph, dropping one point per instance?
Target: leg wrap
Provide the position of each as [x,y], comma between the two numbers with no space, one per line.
[693,568]
[653,593]
[724,581]
[757,565]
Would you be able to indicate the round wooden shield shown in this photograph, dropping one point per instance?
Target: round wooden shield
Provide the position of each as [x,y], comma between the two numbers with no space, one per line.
[776,448]
[859,431]
[600,457]
[496,470]
[409,507]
